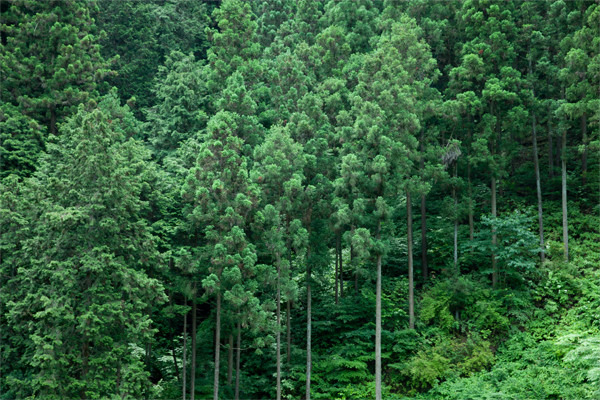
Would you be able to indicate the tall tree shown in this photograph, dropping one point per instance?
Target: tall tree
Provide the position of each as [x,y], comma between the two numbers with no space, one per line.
[85,288]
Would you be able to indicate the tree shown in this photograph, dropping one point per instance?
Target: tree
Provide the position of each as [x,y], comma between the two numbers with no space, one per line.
[219,197]
[50,57]
[84,277]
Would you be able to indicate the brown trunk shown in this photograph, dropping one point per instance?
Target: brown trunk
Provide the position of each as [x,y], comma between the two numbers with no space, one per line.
[471,224]
[494,236]
[53,120]
[455,222]
[237,360]
[538,186]
[230,360]
[217,349]
[424,267]
[411,294]
[564,194]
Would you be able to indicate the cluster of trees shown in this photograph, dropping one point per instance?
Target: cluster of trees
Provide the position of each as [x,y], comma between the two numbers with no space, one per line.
[230,199]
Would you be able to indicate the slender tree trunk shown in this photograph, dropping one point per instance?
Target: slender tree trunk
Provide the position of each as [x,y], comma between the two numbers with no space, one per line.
[230,360]
[341,258]
[355,271]
[278,327]
[538,186]
[193,369]
[308,325]
[237,360]
[337,269]
[424,266]
[184,367]
[289,333]
[471,224]
[585,146]
[411,293]
[494,236]
[564,193]
[217,349]
[455,222]
[53,120]
[550,146]
[378,326]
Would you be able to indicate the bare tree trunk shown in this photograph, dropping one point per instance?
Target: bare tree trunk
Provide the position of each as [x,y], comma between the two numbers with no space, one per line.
[341,266]
[278,327]
[455,222]
[237,360]
[538,187]
[217,348]
[378,328]
[337,270]
[494,236]
[550,146]
[53,120]
[193,369]
[230,360]
[184,366]
[308,325]
[585,146]
[424,266]
[411,293]
[289,332]
[564,193]
[471,224]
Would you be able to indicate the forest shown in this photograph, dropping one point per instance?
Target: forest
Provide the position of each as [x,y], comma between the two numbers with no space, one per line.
[300,199]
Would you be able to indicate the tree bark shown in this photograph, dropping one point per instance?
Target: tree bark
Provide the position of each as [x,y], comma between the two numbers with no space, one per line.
[424,266]
[411,294]
[337,270]
[184,366]
[494,236]
[564,193]
[308,326]
[538,186]
[217,349]
[278,327]
[289,332]
[378,325]
[550,146]
[237,360]
[193,367]
[457,272]
[230,360]
[585,146]
[341,266]
[471,224]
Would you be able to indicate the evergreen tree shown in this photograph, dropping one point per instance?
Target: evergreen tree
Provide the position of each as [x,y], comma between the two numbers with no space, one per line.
[84,277]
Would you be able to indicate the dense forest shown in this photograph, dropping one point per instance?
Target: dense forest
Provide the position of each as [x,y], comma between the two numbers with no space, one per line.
[300,199]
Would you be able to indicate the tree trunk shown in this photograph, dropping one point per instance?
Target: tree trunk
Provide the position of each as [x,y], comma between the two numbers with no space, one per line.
[455,222]
[279,327]
[308,326]
[585,146]
[237,360]
[337,270]
[550,146]
[564,193]
[471,224]
[217,348]
[341,266]
[411,294]
[289,332]
[378,325]
[193,369]
[538,187]
[424,266]
[184,366]
[230,360]
[494,236]
[53,120]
